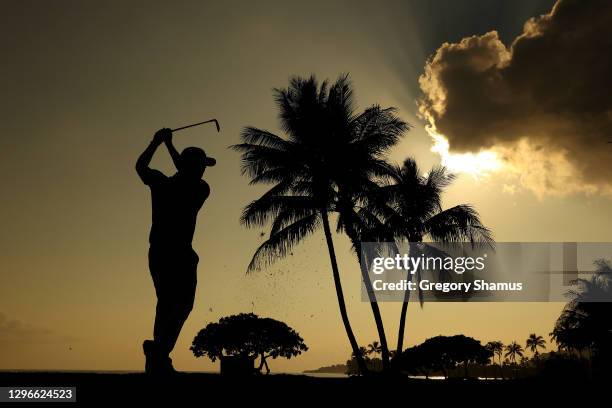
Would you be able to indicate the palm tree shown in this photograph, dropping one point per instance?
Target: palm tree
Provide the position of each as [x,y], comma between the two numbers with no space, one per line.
[534,342]
[497,348]
[367,139]
[362,352]
[413,210]
[585,322]
[326,150]
[514,350]
[569,334]
[374,348]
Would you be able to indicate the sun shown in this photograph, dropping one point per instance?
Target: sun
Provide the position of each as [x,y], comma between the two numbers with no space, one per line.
[477,165]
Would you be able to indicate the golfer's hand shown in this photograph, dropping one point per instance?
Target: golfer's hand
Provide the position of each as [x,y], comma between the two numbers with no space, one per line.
[163,136]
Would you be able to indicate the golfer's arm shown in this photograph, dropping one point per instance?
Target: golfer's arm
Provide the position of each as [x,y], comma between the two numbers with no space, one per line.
[173,153]
[142,164]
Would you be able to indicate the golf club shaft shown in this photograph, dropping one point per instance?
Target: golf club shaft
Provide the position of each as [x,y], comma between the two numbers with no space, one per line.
[198,124]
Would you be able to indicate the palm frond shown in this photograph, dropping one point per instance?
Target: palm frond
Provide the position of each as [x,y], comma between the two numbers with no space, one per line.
[266,208]
[294,209]
[457,224]
[281,243]
[257,159]
[340,103]
[439,178]
[253,135]
[377,130]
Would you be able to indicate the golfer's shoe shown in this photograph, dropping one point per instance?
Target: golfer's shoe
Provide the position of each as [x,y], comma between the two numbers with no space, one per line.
[156,363]
[168,368]
[148,346]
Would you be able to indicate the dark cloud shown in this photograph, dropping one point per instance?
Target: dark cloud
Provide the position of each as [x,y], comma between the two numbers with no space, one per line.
[544,103]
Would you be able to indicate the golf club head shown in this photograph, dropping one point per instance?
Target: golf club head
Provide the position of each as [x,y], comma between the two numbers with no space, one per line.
[217,124]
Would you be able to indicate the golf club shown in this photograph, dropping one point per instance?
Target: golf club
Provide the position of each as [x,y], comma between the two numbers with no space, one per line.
[198,124]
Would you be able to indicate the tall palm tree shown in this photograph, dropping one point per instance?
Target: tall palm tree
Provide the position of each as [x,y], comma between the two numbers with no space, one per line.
[534,342]
[325,148]
[413,209]
[514,350]
[368,138]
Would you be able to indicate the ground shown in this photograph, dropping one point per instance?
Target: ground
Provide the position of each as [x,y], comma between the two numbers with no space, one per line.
[283,390]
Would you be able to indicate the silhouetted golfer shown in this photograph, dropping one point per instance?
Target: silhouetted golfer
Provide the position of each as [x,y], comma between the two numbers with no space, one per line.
[176,201]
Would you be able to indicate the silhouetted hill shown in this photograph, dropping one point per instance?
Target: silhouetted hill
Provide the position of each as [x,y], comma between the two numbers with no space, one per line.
[332,369]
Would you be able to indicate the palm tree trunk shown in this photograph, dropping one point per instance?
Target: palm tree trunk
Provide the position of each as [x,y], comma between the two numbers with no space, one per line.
[339,294]
[402,322]
[380,328]
[375,310]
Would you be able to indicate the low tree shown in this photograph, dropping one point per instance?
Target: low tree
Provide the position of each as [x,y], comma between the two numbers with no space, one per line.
[468,350]
[374,364]
[249,336]
[514,350]
[374,348]
[438,354]
[362,352]
[585,323]
[497,348]
[417,361]
[443,353]
[534,342]
[568,333]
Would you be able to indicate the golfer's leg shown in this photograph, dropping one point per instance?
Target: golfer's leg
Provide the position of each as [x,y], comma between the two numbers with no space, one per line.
[162,327]
[160,271]
[174,299]
[183,295]
[177,317]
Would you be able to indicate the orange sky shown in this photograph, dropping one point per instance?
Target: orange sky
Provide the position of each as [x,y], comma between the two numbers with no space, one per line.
[85,85]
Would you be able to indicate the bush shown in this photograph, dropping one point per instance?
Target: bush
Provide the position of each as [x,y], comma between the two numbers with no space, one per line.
[248,337]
